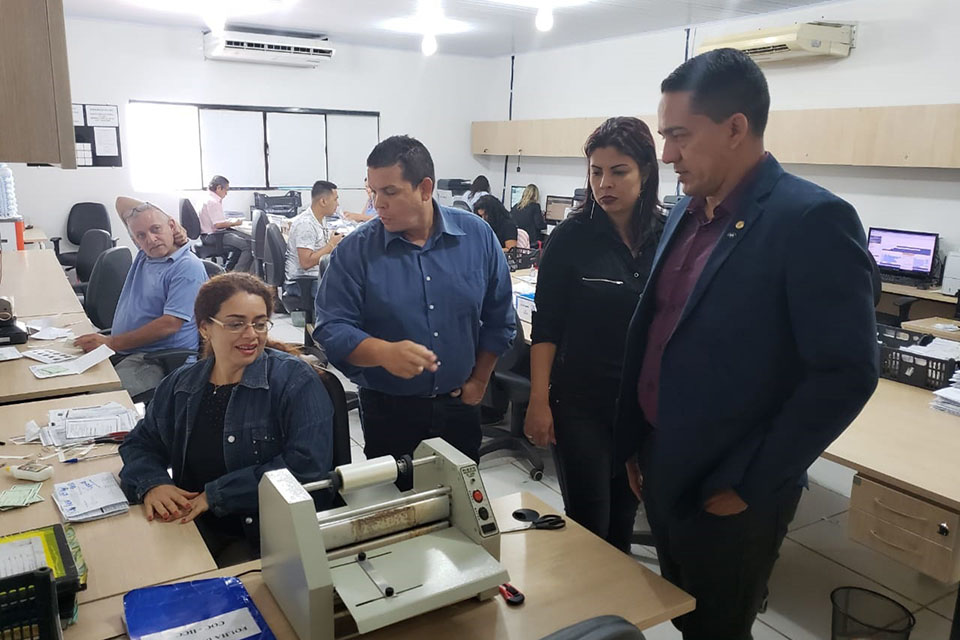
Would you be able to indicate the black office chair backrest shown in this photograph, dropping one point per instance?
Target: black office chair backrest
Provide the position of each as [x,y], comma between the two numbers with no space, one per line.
[341,417]
[517,351]
[189,219]
[84,216]
[599,628]
[106,283]
[275,257]
[213,269]
[462,204]
[28,606]
[92,244]
[260,222]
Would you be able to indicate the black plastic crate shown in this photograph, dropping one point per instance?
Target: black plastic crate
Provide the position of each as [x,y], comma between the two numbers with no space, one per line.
[518,258]
[910,368]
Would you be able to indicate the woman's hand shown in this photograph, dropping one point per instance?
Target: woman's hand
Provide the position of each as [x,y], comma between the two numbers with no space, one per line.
[197,506]
[166,502]
[538,425]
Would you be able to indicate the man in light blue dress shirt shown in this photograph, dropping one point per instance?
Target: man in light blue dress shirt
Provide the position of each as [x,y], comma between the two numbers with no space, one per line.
[416,307]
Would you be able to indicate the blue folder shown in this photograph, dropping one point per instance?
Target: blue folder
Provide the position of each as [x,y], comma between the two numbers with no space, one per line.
[203,609]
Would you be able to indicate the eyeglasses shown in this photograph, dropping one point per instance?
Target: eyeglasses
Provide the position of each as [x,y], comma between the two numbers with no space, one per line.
[238,326]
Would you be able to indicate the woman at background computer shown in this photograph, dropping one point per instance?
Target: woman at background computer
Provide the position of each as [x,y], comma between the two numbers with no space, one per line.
[478,188]
[591,277]
[247,407]
[528,215]
[497,216]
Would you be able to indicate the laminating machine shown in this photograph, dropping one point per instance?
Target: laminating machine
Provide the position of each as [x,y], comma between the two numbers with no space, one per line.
[386,556]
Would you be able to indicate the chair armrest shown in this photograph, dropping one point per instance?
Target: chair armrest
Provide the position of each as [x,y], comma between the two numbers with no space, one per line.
[169,359]
[56,244]
[899,301]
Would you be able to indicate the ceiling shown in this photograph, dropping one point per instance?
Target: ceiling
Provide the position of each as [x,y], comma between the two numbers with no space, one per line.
[494,27]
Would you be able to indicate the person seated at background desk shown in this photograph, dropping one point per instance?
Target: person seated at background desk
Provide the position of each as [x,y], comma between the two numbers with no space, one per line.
[528,215]
[309,239]
[248,407]
[369,210]
[213,220]
[591,277]
[155,309]
[497,216]
[478,188]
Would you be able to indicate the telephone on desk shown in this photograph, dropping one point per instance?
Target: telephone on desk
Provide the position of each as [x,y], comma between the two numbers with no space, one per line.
[11,331]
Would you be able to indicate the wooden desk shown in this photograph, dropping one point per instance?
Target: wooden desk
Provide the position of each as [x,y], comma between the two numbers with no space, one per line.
[901,442]
[924,294]
[35,236]
[926,325]
[37,283]
[20,384]
[122,552]
[567,576]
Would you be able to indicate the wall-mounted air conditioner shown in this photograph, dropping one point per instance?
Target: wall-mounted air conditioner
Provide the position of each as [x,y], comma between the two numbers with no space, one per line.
[804,40]
[292,51]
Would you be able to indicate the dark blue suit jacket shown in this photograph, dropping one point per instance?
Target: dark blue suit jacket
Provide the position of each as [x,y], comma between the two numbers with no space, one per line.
[773,357]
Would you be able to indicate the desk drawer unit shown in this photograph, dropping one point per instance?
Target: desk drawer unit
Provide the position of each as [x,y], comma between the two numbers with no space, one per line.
[915,532]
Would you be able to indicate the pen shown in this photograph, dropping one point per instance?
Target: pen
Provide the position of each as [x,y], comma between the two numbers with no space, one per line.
[102,455]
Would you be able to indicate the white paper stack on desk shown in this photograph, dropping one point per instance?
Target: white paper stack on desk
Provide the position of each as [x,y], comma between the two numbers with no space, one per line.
[72,426]
[948,399]
[90,498]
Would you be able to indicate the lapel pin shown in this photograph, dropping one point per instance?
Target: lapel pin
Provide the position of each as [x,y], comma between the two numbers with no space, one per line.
[739,224]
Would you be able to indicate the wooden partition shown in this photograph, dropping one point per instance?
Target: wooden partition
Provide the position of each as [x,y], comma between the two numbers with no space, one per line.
[904,136]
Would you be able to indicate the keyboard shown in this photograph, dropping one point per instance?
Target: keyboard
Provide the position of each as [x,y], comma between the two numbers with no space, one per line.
[919,283]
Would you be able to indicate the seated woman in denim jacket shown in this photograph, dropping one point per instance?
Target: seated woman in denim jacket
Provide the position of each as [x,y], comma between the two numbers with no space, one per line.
[224,421]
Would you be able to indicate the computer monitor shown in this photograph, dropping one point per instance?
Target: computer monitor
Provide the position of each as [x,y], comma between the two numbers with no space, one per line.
[515,194]
[556,208]
[902,252]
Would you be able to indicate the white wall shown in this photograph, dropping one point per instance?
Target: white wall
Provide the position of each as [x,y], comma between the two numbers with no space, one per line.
[433,99]
[904,55]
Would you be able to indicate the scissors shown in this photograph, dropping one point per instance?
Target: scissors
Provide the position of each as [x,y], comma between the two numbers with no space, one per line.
[546,522]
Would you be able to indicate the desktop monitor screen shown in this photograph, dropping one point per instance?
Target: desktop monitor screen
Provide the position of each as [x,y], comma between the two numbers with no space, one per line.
[556,208]
[515,194]
[901,251]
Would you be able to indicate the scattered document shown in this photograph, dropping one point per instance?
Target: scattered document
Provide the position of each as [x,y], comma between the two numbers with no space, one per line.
[48,356]
[31,432]
[938,348]
[20,495]
[73,367]
[9,353]
[51,333]
[943,326]
[21,556]
[90,498]
[105,141]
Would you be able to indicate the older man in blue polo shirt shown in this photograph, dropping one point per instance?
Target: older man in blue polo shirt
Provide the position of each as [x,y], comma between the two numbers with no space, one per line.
[155,310]
[416,307]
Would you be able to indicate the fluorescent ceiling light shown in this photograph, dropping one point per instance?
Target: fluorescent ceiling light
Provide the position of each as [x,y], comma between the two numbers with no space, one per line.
[215,13]
[544,19]
[429,45]
[540,4]
[429,19]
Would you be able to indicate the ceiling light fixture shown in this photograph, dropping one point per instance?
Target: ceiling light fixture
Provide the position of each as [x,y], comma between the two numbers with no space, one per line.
[216,13]
[429,19]
[429,44]
[544,19]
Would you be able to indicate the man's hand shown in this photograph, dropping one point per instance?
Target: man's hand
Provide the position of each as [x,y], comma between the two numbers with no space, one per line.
[334,240]
[180,237]
[725,503]
[471,392]
[538,425]
[166,502]
[198,505]
[408,359]
[634,477]
[91,341]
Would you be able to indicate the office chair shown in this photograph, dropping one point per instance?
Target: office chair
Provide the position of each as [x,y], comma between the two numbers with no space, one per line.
[516,387]
[341,419]
[902,303]
[191,224]
[599,628]
[28,606]
[105,284]
[83,216]
[93,243]
[260,221]
[461,204]
[212,268]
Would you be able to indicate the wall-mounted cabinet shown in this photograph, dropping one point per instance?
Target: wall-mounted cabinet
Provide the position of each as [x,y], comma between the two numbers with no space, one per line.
[36,118]
[905,136]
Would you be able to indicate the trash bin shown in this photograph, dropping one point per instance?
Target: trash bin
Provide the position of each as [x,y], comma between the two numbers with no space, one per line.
[861,614]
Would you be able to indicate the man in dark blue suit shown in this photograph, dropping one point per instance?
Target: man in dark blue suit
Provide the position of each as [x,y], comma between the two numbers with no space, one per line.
[752,349]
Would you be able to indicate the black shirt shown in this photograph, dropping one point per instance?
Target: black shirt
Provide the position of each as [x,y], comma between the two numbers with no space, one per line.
[588,287]
[505,230]
[205,459]
[530,219]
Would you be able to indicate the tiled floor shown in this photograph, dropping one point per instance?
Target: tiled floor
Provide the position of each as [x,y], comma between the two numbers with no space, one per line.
[816,558]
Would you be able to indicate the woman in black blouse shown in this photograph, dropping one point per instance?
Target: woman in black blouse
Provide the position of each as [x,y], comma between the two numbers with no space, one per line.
[591,277]
[497,216]
[528,215]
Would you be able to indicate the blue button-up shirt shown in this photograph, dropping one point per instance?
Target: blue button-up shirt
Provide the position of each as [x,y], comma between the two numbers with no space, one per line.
[453,296]
[161,286]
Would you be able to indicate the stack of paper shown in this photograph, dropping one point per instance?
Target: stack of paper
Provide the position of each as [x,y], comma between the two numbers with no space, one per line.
[948,399]
[91,498]
[72,367]
[72,426]
[938,348]
[20,495]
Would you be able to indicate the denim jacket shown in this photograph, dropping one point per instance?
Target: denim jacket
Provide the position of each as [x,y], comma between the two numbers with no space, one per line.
[280,415]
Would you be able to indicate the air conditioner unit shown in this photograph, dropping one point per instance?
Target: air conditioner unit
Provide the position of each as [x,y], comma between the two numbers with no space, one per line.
[292,51]
[802,40]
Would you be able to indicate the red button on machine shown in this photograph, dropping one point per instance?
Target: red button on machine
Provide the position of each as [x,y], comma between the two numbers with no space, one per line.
[477,496]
